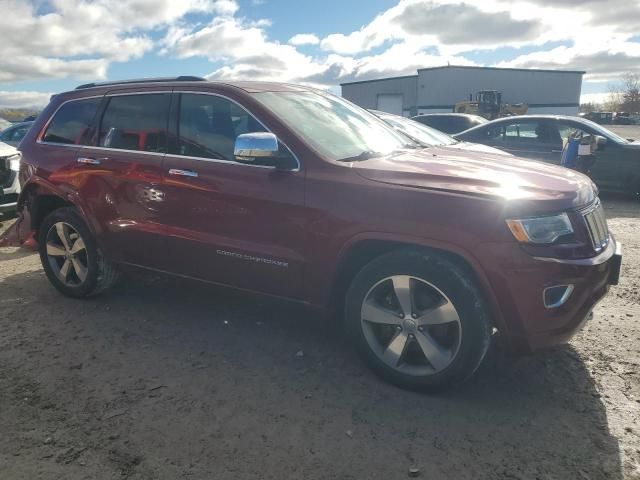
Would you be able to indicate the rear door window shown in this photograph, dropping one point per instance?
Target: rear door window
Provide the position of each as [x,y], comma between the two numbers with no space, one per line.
[136,122]
[71,124]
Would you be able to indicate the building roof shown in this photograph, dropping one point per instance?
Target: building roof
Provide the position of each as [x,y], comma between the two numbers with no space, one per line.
[581,72]
[379,79]
[473,67]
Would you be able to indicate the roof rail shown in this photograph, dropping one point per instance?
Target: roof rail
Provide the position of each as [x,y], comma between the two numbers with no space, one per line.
[181,78]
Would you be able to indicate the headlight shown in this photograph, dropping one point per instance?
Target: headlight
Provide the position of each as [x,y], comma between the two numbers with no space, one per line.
[14,162]
[540,229]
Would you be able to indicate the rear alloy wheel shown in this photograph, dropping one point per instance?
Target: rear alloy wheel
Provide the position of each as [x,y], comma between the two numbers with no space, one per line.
[418,320]
[67,254]
[70,257]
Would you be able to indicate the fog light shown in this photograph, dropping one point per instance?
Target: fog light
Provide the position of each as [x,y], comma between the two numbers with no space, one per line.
[557,295]
[14,162]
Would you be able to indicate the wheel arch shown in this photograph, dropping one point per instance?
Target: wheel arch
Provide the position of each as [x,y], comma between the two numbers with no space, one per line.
[362,250]
[39,198]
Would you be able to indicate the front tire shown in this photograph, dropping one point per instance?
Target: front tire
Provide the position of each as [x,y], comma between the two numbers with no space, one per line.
[70,257]
[418,319]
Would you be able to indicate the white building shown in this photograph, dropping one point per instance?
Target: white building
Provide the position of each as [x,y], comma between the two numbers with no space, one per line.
[438,89]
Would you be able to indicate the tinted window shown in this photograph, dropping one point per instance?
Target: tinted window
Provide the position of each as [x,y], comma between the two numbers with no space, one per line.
[519,130]
[209,126]
[531,131]
[136,122]
[72,122]
[567,130]
[445,123]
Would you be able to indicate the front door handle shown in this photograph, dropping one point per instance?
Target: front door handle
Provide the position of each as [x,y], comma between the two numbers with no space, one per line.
[182,173]
[91,161]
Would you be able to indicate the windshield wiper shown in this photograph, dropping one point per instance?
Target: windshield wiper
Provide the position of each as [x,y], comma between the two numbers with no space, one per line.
[364,155]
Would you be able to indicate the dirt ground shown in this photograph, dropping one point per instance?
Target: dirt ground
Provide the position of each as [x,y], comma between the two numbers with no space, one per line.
[170,379]
[626,131]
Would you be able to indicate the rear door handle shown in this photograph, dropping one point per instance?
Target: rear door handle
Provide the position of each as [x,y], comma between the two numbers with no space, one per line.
[182,173]
[91,161]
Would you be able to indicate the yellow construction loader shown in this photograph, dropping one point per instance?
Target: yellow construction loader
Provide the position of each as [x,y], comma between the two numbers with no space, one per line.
[488,104]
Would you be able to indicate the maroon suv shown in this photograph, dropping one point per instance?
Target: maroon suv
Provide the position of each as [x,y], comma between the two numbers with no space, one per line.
[297,193]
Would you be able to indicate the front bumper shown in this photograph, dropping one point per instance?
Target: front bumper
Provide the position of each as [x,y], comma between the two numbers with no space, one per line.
[520,286]
[9,195]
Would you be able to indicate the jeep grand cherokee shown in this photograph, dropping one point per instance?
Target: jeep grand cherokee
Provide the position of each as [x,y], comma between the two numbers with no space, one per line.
[297,193]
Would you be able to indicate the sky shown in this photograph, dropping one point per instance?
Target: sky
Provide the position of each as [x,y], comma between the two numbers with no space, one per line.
[50,46]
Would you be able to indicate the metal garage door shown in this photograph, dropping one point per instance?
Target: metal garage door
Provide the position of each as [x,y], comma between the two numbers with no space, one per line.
[390,103]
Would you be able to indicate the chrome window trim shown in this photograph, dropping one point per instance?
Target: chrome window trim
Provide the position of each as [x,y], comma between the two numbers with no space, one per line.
[107,149]
[225,162]
[174,155]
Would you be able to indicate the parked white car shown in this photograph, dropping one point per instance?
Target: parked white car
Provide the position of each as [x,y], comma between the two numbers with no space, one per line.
[9,168]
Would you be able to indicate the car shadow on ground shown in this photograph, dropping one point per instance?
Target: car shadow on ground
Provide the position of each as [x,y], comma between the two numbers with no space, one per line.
[274,384]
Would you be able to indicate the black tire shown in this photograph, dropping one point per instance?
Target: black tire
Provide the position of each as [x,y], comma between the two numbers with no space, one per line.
[101,274]
[451,278]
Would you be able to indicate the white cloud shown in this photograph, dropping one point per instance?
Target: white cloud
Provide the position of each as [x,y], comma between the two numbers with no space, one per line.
[594,97]
[35,100]
[244,48]
[605,63]
[81,37]
[304,39]
[600,38]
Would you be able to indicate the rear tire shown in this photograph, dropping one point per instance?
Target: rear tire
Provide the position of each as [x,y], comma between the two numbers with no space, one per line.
[418,319]
[70,256]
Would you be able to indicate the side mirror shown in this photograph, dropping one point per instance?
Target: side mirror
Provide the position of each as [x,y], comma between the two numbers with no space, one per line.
[257,145]
[601,142]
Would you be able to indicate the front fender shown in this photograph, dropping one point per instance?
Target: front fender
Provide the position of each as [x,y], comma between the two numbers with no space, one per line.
[432,244]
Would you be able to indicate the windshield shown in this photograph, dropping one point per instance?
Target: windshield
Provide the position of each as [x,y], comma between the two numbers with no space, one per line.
[336,128]
[419,132]
[605,132]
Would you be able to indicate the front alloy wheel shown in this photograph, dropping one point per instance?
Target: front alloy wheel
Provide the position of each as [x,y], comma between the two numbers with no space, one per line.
[411,325]
[418,319]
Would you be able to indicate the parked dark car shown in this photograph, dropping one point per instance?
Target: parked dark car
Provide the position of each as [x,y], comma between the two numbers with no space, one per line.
[296,193]
[603,118]
[16,132]
[540,137]
[450,122]
[430,137]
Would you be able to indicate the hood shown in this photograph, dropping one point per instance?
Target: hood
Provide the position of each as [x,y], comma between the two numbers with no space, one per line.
[6,150]
[522,184]
[478,147]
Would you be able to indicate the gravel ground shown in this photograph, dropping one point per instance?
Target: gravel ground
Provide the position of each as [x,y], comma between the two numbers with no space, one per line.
[625,131]
[167,379]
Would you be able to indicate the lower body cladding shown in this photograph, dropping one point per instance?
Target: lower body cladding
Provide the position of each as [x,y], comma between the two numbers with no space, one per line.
[545,301]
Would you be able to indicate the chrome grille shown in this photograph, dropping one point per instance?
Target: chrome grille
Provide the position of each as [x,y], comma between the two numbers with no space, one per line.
[597,226]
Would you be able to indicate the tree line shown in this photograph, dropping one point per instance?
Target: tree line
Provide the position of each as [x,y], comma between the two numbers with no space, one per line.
[624,96]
